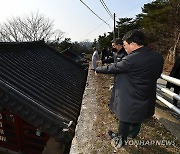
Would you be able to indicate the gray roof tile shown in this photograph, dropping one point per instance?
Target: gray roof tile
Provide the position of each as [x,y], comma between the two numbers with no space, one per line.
[41,86]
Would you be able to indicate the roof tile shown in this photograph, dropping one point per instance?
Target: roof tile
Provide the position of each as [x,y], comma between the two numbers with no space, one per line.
[41,86]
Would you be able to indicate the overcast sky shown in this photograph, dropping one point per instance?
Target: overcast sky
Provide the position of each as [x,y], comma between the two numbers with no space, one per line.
[72,16]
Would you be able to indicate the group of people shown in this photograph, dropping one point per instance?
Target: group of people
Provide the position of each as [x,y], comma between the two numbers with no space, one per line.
[136,69]
[109,56]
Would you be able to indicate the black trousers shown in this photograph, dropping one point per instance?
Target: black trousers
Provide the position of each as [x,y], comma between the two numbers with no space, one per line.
[131,129]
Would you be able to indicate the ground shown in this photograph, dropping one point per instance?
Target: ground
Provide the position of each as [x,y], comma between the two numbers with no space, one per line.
[152,130]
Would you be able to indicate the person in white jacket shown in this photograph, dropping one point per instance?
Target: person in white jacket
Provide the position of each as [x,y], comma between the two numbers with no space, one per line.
[95,59]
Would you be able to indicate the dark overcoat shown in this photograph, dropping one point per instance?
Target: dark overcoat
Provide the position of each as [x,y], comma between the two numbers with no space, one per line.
[135,85]
[117,58]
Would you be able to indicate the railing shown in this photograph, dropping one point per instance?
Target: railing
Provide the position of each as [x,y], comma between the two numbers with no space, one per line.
[168,92]
[171,79]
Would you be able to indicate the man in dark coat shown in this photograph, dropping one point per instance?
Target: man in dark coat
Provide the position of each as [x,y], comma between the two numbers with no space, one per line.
[118,54]
[135,87]
[175,72]
[104,54]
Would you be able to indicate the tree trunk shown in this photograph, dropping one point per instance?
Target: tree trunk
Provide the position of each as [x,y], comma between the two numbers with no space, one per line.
[175,46]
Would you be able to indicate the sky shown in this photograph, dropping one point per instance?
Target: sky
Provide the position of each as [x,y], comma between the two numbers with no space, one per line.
[72,17]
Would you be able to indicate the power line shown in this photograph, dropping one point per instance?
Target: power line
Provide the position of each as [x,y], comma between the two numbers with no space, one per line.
[93,30]
[94,13]
[132,8]
[123,12]
[106,8]
[109,12]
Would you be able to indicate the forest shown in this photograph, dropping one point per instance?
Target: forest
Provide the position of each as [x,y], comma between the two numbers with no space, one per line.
[160,21]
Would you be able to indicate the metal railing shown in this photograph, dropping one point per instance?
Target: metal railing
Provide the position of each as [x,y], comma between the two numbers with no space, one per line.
[168,92]
[171,79]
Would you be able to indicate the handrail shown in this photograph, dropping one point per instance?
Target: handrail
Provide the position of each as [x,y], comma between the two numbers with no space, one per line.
[169,92]
[171,106]
[171,79]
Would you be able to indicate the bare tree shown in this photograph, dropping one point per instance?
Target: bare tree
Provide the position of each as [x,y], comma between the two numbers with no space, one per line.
[29,28]
[58,35]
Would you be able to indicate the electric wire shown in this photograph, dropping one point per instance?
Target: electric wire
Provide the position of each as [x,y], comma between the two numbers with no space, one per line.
[94,13]
[94,30]
[132,8]
[123,12]
[106,8]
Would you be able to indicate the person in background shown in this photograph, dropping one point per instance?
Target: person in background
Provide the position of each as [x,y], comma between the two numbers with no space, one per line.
[110,53]
[95,59]
[104,54]
[175,72]
[135,86]
[118,52]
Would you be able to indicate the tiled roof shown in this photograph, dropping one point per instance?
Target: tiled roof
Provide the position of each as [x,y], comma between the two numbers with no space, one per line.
[42,86]
[75,56]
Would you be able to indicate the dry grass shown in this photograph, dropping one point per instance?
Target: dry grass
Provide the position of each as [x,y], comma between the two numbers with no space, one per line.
[151,130]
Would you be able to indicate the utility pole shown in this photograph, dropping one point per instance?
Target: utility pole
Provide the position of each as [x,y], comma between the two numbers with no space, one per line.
[114,38]
[118,31]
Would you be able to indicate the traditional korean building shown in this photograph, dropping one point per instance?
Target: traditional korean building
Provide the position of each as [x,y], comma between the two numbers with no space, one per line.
[75,56]
[41,92]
